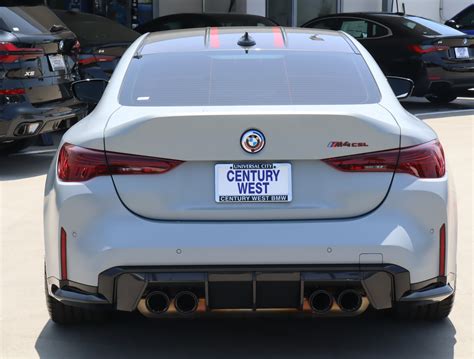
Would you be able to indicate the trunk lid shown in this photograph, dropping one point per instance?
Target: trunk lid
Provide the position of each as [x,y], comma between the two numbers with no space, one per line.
[297,135]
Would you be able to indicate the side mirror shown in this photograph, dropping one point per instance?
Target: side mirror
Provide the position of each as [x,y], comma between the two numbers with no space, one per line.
[452,23]
[402,87]
[89,91]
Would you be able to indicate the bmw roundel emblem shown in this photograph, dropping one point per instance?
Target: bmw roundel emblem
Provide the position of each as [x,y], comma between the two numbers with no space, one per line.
[252,141]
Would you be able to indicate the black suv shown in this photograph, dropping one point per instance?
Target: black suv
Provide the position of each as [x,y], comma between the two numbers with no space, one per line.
[38,62]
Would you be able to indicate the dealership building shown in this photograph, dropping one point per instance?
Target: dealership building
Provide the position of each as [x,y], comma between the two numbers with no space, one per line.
[286,12]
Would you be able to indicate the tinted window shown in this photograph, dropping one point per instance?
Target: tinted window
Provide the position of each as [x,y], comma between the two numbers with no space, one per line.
[228,78]
[358,28]
[236,20]
[427,27]
[466,18]
[330,24]
[29,19]
[92,29]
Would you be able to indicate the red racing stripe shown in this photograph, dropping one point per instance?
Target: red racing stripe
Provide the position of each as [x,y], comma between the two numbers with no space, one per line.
[278,38]
[214,38]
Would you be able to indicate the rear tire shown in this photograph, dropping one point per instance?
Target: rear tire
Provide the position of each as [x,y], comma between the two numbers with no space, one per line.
[434,311]
[441,99]
[15,146]
[66,314]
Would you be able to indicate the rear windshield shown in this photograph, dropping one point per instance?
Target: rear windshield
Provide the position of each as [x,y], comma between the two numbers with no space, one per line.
[28,20]
[427,27]
[231,78]
[96,30]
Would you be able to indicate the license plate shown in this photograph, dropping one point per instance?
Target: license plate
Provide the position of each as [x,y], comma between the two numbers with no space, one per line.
[461,52]
[253,182]
[57,62]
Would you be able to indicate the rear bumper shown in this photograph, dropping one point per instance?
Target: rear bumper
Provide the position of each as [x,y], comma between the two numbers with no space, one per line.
[446,78]
[250,287]
[52,117]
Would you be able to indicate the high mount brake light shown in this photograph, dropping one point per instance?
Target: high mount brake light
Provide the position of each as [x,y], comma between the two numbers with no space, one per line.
[426,49]
[9,53]
[423,161]
[79,164]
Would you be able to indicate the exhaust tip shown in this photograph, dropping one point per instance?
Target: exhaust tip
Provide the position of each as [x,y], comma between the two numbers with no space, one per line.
[321,301]
[349,300]
[186,302]
[157,302]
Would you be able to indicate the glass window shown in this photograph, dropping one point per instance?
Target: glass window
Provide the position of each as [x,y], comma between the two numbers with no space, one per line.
[29,19]
[94,30]
[280,11]
[332,23]
[428,27]
[466,18]
[363,29]
[233,77]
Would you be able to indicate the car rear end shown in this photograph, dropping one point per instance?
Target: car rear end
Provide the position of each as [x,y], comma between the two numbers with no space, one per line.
[102,40]
[343,205]
[446,55]
[37,66]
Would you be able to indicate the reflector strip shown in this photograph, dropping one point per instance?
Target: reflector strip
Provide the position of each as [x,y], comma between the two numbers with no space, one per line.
[12,92]
[214,38]
[442,251]
[63,254]
[278,38]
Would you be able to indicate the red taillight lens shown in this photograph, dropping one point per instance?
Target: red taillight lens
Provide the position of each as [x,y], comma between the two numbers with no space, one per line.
[423,161]
[79,164]
[11,53]
[426,49]
[92,59]
[10,92]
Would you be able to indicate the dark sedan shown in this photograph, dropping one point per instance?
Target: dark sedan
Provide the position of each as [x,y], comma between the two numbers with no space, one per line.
[438,58]
[103,42]
[38,57]
[464,21]
[188,21]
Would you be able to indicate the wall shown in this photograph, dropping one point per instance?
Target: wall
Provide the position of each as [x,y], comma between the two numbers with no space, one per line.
[361,5]
[166,7]
[431,8]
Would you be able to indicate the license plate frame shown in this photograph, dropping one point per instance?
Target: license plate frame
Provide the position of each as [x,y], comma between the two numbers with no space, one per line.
[461,52]
[253,183]
[57,62]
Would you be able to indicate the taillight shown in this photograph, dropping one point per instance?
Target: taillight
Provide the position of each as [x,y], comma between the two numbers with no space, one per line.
[11,92]
[426,49]
[92,59]
[423,161]
[78,164]
[11,53]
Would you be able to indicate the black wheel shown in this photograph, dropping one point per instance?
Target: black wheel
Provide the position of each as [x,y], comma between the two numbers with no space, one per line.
[441,99]
[434,311]
[66,314]
[15,146]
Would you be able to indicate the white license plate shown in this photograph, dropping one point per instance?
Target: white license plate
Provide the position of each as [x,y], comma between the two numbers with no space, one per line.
[253,182]
[461,52]
[57,62]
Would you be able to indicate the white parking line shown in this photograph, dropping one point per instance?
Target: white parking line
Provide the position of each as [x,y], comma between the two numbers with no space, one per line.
[441,113]
[37,152]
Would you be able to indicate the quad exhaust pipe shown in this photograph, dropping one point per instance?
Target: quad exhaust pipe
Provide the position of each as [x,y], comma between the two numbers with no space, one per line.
[349,300]
[186,302]
[157,302]
[321,301]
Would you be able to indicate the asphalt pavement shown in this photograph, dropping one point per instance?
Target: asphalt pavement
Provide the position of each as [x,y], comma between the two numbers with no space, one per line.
[26,331]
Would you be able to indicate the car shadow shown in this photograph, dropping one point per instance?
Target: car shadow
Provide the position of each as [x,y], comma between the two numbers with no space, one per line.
[24,165]
[424,109]
[371,336]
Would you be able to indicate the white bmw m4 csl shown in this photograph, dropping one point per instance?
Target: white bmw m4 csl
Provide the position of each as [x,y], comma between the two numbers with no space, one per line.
[248,169]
